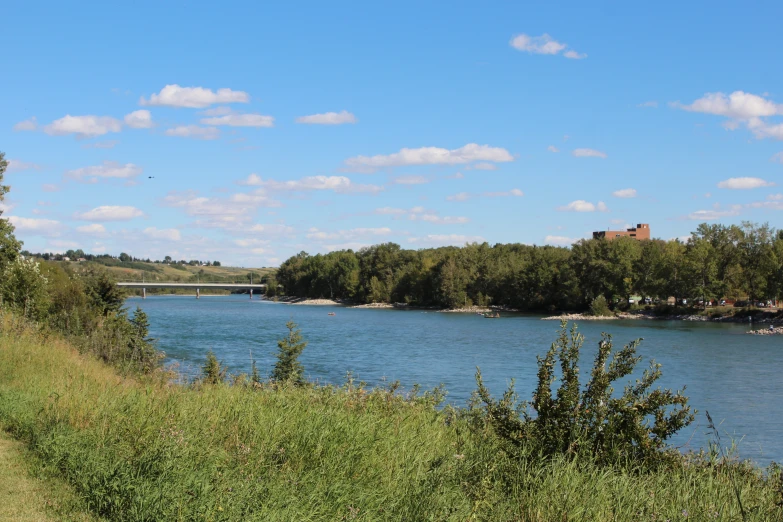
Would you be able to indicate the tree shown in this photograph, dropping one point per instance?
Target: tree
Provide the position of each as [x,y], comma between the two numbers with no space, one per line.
[23,288]
[701,268]
[143,351]
[591,420]
[288,368]
[167,260]
[213,371]
[9,245]
[125,257]
[102,291]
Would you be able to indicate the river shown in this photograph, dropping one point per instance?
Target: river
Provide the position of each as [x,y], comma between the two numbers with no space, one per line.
[736,377]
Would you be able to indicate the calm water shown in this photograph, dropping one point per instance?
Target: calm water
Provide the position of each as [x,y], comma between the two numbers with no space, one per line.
[736,377]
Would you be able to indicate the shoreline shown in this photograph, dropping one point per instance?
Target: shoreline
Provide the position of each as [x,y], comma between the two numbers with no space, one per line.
[762,317]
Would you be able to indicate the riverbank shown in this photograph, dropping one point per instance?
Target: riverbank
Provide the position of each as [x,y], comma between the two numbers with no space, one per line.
[759,317]
[146,449]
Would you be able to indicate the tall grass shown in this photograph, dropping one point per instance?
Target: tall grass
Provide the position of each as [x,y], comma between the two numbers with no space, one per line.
[148,450]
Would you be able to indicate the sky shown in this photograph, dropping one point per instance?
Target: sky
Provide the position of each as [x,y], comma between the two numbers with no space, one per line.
[246,132]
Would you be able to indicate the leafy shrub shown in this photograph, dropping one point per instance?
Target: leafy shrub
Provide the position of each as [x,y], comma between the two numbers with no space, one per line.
[23,289]
[213,371]
[589,421]
[288,367]
[600,308]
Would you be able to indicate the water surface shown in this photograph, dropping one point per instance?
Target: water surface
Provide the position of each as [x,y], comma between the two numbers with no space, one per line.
[736,377]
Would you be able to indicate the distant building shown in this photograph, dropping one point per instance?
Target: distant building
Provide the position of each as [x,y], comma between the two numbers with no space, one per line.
[640,232]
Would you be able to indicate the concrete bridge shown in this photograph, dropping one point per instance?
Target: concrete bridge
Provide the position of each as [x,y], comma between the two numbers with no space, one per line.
[196,286]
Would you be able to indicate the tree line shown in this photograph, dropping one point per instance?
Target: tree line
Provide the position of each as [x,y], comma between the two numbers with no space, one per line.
[716,261]
[108,259]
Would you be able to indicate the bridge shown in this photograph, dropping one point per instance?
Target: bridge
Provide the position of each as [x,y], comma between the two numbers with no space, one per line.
[196,286]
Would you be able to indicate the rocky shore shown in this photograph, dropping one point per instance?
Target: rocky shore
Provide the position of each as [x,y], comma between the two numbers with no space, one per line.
[768,331]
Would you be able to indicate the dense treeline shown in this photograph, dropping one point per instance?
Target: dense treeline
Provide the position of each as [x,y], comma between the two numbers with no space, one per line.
[110,260]
[738,261]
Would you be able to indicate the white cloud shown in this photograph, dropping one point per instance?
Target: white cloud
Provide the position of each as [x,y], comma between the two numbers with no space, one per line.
[347,235]
[711,215]
[462,196]
[778,158]
[18,166]
[241,120]
[775,197]
[252,179]
[410,180]
[483,166]
[194,97]
[270,230]
[552,148]
[439,220]
[588,153]
[581,205]
[43,227]
[512,192]
[48,187]
[624,193]
[94,229]
[83,126]
[390,211]
[744,183]
[110,213]
[109,169]
[543,44]
[218,111]
[574,55]
[139,120]
[328,118]
[164,234]
[738,105]
[194,131]
[62,245]
[649,104]
[339,184]
[27,125]
[431,156]
[445,240]
[559,240]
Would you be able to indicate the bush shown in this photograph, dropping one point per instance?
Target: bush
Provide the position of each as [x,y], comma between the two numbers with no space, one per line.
[600,308]
[23,289]
[213,371]
[288,367]
[589,421]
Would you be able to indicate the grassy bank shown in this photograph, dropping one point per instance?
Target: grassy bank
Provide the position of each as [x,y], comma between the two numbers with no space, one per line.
[147,450]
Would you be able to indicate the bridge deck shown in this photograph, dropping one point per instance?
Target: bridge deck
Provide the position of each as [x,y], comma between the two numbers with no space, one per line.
[155,284]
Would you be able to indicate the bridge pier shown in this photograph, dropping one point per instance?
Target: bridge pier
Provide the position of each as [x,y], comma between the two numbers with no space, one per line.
[198,293]
[143,293]
[251,294]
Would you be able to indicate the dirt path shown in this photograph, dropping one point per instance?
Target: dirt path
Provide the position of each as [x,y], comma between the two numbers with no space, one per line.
[26,498]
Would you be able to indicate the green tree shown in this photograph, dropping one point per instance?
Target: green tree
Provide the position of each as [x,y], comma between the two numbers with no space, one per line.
[143,352]
[103,292]
[593,420]
[9,245]
[24,289]
[701,268]
[288,368]
[213,371]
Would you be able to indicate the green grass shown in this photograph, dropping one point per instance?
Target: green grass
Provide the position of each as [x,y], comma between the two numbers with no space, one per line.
[148,450]
[28,493]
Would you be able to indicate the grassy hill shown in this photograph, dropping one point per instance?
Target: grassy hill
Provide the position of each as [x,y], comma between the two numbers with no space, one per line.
[161,272]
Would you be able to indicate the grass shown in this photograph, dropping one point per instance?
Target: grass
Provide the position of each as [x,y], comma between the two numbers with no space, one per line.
[149,450]
[28,493]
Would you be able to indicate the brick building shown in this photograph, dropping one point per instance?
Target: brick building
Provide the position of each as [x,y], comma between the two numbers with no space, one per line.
[639,232]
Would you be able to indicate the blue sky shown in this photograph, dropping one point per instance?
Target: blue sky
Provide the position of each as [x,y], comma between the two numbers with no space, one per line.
[247,132]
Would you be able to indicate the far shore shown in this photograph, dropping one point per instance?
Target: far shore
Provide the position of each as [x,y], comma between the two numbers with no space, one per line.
[763,317]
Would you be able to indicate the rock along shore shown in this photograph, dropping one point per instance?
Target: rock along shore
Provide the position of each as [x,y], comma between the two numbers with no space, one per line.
[767,331]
